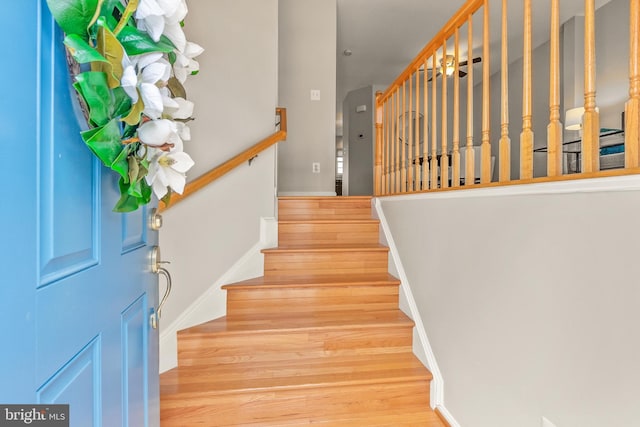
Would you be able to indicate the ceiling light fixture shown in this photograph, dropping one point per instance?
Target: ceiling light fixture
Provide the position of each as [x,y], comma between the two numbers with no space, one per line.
[448,64]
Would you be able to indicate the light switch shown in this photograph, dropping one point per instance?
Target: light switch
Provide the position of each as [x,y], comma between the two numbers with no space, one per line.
[315,94]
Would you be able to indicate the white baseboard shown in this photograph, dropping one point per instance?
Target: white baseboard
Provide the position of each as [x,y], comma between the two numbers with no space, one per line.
[437,383]
[306,193]
[447,416]
[251,264]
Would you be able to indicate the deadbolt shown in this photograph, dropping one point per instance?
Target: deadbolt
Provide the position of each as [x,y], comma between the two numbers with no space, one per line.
[155,221]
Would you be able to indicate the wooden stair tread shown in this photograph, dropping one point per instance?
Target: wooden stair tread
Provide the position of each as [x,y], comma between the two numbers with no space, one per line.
[330,221]
[405,417]
[332,198]
[247,369]
[333,405]
[261,323]
[314,280]
[320,372]
[295,248]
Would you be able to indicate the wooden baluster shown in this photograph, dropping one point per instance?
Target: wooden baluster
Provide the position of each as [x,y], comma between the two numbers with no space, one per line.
[377,174]
[392,135]
[387,159]
[403,111]
[390,145]
[383,153]
[554,129]
[416,125]
[470,154]
[434,123]
[397,143]
[505,141]
[444,156]
[425,129]
[591,118]
[409,143]
[455,160]
[632,107]
[485,169]
[526,137]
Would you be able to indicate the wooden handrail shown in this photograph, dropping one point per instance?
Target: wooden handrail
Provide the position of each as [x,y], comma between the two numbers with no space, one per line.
[219,171]
[461,16]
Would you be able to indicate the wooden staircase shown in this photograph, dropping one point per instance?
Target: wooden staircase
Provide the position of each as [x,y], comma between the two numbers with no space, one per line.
[319,339]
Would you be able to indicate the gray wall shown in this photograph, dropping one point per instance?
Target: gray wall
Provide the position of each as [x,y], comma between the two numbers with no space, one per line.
[358,142]
[530,303]
[307,49]
[235,95]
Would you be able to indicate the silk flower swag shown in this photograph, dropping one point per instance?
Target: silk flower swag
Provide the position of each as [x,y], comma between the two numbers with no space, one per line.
[132,59]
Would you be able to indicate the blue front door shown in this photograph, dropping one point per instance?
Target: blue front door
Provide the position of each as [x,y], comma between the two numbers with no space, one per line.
[76,290]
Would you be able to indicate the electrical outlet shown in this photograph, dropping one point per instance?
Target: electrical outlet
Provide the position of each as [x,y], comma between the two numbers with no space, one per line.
[315,94]
[315,167]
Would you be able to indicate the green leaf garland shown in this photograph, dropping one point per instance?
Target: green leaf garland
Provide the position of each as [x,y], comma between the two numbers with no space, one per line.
[104,35]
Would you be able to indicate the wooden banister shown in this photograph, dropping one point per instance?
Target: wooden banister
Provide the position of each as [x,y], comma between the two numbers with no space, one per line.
[438,163]
[461,16]
[219,171]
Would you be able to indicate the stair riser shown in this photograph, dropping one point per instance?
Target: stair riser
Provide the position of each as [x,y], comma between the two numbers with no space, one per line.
[327,233]
[281,407]
[324,208]
[335,262]
[272,346]
[308,300]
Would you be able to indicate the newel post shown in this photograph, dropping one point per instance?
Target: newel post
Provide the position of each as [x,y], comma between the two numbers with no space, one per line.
[377,171]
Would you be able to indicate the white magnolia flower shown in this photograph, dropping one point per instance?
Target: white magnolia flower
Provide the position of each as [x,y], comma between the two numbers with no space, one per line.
[157,133]
[160,17]
[180,109]
[185,65]
[140,77]
[168,170]
[150,18]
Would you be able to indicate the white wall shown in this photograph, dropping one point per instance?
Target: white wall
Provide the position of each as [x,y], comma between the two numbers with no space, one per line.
[307,61]
[530,302]
[235,95]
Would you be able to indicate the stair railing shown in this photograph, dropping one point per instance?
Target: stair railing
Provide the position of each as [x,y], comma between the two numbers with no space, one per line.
[414,152]
[246,156]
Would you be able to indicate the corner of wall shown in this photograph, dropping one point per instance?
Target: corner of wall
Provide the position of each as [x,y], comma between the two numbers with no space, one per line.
[250,265]
[421,346]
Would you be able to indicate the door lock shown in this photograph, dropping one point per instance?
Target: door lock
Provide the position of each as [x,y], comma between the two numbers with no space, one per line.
[155,220]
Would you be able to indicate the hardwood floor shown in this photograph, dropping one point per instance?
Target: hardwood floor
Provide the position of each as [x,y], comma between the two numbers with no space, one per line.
[319,339]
